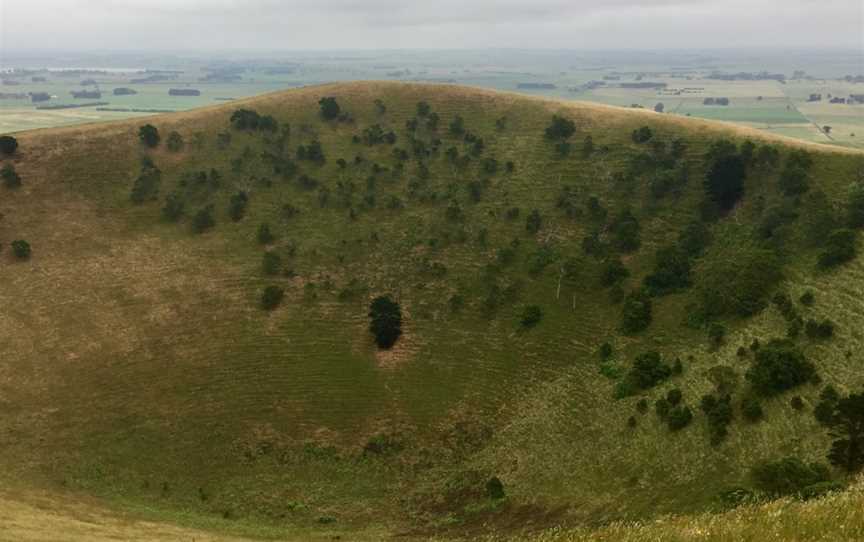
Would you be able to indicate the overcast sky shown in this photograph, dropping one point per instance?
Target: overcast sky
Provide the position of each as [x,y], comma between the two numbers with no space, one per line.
[427,24]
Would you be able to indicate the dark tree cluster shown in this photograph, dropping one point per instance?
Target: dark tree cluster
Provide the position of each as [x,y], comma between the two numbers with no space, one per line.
[247,119]
[780,366]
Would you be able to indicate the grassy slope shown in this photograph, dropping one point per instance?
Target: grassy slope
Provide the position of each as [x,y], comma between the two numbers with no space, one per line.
[137,365]
[837,517]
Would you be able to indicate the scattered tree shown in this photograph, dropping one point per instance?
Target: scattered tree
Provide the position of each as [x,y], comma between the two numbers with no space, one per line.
[173,208]
[636,312]
[271,263]
[531,316]
[10,177]
[265,236]
[8,145]
[642,135]
[495,489]
[560,128]
[174,143]
[330,109]
[533,222]
[203,219]
[149,135]
[272,297]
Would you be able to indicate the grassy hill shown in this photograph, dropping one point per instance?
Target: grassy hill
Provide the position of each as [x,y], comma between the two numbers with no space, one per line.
[139,366]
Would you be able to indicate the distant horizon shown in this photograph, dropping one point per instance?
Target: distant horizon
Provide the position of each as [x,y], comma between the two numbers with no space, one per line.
[376,25]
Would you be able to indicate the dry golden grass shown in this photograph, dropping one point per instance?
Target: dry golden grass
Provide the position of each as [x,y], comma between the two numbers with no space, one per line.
[44,517]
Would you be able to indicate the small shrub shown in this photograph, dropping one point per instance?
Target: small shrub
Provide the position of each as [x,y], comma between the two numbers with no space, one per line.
[662,407]
[605,351]
[383,444]
[679,417]
[674,396]
[272,297]
[237,206]
[788,476]
[21,249]
[613,272]
[174,143]
[265,236]
[797,403]
[631,422]
[719,414]
[648,370]
[839,248]
[716,332]
[824,410]
[531,316]
[533,222]
[636,312]
[807,298]
[751,409]
[819,330]
[203,220]
[495,489]
[271,263]
[642,135]
[642,406]
[10,177]
[173,208]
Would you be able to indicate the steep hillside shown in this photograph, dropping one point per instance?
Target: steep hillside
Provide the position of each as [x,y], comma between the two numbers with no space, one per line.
[555,281]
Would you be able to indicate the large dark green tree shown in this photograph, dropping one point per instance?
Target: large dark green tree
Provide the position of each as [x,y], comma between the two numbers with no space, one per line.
[386,324]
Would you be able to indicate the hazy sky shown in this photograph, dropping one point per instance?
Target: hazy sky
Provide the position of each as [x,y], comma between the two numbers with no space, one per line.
[430,24]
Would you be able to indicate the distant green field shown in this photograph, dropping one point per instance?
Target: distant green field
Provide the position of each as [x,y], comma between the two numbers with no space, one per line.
[567,71]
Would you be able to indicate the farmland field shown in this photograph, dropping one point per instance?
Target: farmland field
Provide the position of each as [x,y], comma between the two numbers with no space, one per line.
[779,107]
